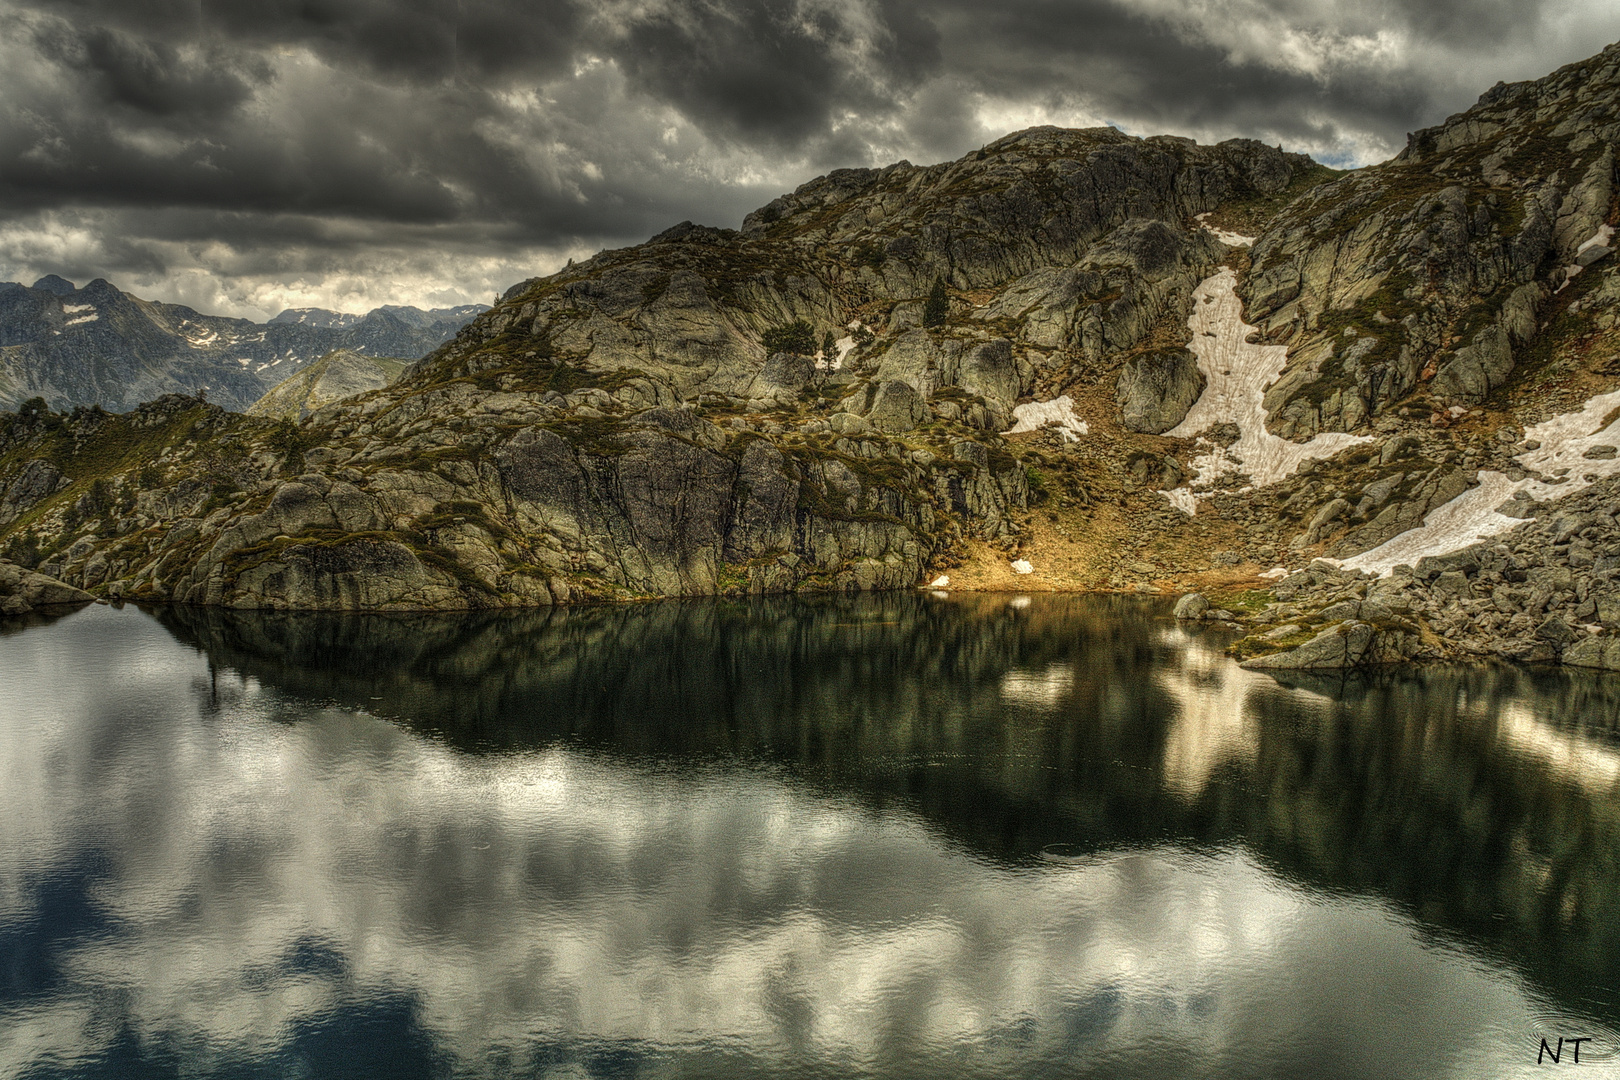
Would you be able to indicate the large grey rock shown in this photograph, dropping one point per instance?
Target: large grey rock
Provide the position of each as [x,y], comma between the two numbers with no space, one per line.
[1155,391]
[23,590]
[1192,606]
[1555,632]
[897,407]
[1477,368]
[1343,645]
[783,377]
[1602,651]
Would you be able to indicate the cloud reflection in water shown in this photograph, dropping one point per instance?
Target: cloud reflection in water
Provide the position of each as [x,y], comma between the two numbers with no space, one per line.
[258,863]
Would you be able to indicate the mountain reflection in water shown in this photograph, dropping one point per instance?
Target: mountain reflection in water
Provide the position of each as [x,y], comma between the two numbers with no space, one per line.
[892,835]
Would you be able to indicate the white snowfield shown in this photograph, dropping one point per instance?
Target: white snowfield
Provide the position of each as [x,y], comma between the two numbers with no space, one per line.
[80,320]
[1472,515]
[1239,372]
[1230,238]
[75,309]
[1060,411]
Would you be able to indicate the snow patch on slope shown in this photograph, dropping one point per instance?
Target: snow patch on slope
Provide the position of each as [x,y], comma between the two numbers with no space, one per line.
[1604,234]
[844,346]
[1231,239]
[1473,515]
[1599,239]
[1038,414]
[1239,372]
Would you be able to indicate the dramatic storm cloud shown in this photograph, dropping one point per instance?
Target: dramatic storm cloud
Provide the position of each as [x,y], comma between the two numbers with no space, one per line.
[244,155]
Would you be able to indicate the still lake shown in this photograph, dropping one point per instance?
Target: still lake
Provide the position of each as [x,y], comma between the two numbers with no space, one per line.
[886,836]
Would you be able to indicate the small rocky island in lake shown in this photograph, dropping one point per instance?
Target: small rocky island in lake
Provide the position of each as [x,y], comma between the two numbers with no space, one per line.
[1372,415]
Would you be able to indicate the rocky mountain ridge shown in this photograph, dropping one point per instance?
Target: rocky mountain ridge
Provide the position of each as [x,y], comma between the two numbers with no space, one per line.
[410,316]
[339,374]
[1034,367]
[101,346]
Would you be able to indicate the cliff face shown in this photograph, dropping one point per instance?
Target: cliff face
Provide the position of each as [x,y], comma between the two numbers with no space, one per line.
[1054,363]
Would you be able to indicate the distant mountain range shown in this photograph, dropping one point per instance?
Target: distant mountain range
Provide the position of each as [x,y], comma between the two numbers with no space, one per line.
[101,346]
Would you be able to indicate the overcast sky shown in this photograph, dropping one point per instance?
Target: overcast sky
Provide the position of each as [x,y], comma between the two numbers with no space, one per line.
[243,156]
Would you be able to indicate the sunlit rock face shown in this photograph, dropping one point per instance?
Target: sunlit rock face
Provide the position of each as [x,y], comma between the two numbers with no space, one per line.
[968,836]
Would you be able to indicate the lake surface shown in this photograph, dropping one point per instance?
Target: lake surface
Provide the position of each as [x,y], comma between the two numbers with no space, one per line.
[893,836]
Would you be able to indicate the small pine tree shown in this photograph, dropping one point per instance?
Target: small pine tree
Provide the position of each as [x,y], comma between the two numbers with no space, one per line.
[796,337]
[937,306]
[829,345]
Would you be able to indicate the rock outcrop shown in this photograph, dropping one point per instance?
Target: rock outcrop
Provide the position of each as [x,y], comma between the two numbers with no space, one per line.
[1430,274]
[1155,390]
[23,591]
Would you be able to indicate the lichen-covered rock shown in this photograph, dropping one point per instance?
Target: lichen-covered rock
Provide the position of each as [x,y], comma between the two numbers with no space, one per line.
[896,407]
[1192,606]
[1155,391]
[1343,645]
[23,590]
[1595,652]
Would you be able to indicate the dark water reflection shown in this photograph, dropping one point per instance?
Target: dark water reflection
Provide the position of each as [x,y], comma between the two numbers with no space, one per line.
[890,836]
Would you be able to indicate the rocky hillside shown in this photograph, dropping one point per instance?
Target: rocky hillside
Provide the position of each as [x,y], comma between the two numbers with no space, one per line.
[1433,276]
[712,410]
[339,374]
[1072,359]
[101,346]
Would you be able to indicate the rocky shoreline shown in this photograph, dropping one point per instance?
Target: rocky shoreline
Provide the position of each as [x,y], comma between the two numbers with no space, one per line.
[1547,591]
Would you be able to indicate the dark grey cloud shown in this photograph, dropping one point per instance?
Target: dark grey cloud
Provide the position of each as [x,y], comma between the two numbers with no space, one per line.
[392,149]
[151,76]
[413,40]
[1128,67]
[767,74]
